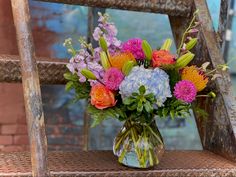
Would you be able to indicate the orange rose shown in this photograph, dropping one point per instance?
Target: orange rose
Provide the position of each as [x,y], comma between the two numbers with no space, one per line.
[102,97]
[162,57]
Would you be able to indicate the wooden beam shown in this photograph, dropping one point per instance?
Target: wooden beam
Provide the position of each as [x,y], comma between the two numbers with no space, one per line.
[170,7]
[50,70]
[31,88]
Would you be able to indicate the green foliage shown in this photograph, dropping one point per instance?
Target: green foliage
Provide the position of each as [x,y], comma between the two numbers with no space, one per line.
[140,105]
[174,108]
[99,115]
[174,77]
[81,89]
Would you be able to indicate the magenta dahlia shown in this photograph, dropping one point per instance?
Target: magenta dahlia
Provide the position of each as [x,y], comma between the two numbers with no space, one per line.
[135,47]
[185,91]
[113,78]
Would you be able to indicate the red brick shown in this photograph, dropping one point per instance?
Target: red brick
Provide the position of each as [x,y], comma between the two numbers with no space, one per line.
[5,139]
[13,129]
[11,104]
[14,148]
[21,139]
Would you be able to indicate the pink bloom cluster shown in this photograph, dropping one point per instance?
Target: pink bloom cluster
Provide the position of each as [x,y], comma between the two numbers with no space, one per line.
[113,78]
[135,47]
[185,90]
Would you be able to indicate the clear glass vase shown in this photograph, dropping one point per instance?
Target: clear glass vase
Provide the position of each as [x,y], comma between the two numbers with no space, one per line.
[138,145]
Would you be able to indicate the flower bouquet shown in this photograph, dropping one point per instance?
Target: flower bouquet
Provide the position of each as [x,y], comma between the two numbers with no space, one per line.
[134,83]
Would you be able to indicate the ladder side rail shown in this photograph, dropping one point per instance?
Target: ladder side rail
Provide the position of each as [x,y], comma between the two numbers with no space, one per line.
[31,88]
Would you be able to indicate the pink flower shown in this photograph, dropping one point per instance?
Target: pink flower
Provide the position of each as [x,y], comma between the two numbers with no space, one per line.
[185,91]
[135,47]
[113,78]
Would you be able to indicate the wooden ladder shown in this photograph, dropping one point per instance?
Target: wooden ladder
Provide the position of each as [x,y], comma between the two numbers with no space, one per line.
[218,132]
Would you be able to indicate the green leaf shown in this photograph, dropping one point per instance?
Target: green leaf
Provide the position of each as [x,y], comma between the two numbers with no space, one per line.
[142,90]
[148,107]
[128,100]
[69,85]
[140,107]
[100,115]
[70,76]
[82,90]
[134,94]
[147,49]
[132,106]
[172,114]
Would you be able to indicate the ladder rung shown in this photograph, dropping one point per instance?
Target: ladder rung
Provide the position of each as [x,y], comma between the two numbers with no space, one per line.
[104,163]
[173,7]
[50,70]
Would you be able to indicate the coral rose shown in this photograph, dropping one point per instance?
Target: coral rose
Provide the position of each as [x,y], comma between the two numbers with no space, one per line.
[162,57]
[102,97]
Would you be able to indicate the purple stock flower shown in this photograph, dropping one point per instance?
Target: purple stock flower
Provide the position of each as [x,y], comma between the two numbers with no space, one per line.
[109,31]
[85,60]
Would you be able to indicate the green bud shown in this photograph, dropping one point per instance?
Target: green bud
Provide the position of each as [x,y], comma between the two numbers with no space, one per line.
[184,60]
[88,74]
[127,67]
[191,43]
[147,49]
[104,60]
[166,45]
[211,94]
[103,44]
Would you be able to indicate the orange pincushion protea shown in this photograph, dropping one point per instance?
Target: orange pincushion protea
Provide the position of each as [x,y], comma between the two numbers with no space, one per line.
[196,76]
[119,59]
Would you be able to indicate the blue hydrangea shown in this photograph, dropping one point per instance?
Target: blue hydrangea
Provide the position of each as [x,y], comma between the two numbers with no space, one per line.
[156,81]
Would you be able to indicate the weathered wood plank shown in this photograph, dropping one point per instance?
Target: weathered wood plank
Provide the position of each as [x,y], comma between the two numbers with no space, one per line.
[50,70]
[170,7]
[31,87]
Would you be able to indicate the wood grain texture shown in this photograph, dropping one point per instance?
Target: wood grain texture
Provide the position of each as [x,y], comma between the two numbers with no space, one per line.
[31,88]
[170,7]
[50,70]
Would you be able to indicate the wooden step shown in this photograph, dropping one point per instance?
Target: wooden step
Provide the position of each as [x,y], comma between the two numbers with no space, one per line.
[172,7]
[50,70]
[104,163]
